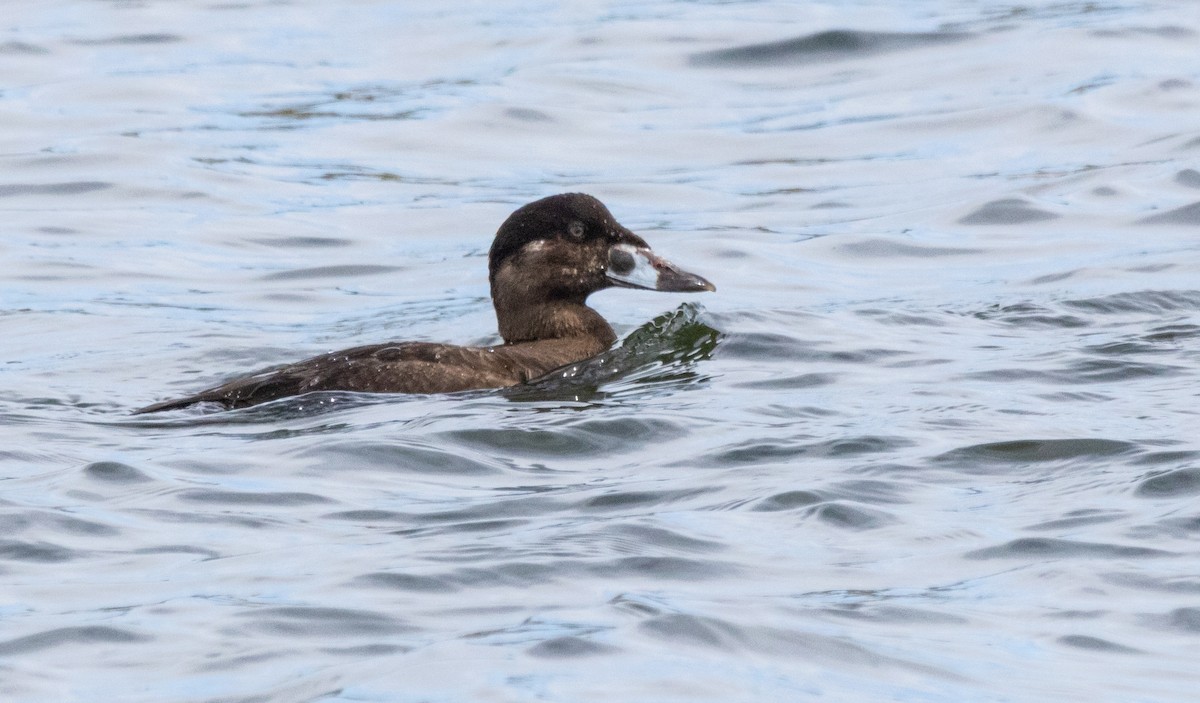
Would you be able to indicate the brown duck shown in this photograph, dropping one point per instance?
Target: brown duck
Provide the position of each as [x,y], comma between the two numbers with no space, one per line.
[547,258]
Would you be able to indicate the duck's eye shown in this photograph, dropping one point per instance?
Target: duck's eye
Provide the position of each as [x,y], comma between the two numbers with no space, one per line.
[576,230]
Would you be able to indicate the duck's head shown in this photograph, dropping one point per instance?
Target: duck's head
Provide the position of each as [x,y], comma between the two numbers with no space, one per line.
[566,247]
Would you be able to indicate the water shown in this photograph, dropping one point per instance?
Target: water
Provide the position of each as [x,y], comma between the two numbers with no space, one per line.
[933,439]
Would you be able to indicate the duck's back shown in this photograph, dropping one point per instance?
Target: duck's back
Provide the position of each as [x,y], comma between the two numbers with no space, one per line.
[398,367]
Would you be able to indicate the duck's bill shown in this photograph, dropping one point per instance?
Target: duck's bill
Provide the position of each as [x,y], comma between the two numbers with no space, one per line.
[638,267]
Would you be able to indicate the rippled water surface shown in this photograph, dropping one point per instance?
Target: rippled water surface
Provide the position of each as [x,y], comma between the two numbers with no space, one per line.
[935,438]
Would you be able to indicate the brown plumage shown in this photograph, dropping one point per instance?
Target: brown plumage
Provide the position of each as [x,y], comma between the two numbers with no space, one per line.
[547,258]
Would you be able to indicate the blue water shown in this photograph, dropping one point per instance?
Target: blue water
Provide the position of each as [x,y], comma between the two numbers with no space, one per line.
[934,438]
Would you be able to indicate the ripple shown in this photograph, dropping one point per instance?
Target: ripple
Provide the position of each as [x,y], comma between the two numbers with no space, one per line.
[530,506]
[904,615]
[757,451]
[674,568]
[1010,211]
[405,457]
[870,491]
[178,549]
[638,537]
[1181,482]
[569,648]
[534,443]
[472,526]
[1189,177]
[1166,31]
[724,636]
[1188,215]
[789,500]
[8,190]
[1113,370]
[1185,620]
[66,524]
[297,242]
[1172,333]
[838,504]
[368,516]
[20,47]
[1035,450]
[371,103]
[224,518]
[690,629]
[1123,348]
[115,472]
[514,573]
[1041,547]
[1174,528]
[1147,301]
[1096,644]
[622,500]
[43,552]
[323,622]
[1188,585]
[407,582]
[281,499]
[768,346]
[855,517]
[824,46]
[1079,518]
[888,249]
[86,635]
[585,438]
[525,114]
[131,39]
[342,271]
[787,383]
[901,318]
[1031,316]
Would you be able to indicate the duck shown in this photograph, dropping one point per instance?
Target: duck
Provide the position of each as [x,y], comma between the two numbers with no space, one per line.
[546,259]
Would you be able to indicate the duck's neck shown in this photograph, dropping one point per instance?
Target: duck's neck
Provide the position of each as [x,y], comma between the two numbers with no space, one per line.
[557,319]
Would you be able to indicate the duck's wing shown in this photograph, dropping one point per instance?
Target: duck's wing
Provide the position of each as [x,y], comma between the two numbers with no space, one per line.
[403,367]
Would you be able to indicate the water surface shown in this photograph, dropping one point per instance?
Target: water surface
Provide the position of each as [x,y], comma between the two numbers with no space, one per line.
[935,437]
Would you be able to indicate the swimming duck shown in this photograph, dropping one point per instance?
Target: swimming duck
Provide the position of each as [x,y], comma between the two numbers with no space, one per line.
[547,258]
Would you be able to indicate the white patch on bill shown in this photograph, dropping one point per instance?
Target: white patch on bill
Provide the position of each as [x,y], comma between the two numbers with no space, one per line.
[637,269]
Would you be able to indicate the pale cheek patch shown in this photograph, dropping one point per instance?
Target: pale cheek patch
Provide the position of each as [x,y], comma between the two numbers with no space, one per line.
[632,266]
